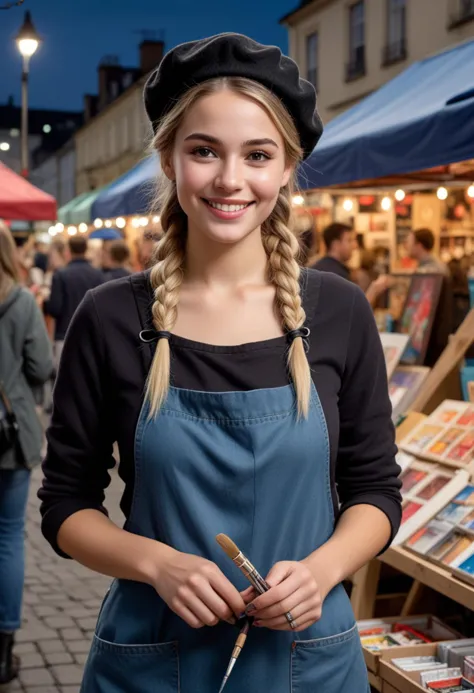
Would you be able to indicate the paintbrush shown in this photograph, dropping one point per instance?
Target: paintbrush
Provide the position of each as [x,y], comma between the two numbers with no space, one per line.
[243,563]
[252,574]
[239,643]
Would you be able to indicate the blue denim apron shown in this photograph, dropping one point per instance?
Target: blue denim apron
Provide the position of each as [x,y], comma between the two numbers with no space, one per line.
[239,463]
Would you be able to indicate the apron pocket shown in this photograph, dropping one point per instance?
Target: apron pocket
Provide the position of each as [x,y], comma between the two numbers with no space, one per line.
[114,668]
[333,665]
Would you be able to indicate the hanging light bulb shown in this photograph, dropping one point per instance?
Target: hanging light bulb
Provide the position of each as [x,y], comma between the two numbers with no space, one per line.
[348,205]
[108,224]
[144,221]
[442,193]
[120,223]
[298,200]
[82,227]
[71,230]
[59,227]
[98,223]
[470,191]
[156,220]
[386,204]
[52,231]
[400,195]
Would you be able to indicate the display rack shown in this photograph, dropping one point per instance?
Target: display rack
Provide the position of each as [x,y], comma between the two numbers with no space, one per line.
[441,383]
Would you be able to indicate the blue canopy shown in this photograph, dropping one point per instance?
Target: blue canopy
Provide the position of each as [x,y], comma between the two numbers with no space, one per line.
[421,119]
[129,194]
[106,234]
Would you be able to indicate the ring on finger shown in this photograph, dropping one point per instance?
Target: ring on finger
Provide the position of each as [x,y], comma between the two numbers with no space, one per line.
[290,620]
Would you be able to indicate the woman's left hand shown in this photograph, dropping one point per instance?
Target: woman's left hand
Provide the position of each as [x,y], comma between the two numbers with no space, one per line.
[293,588]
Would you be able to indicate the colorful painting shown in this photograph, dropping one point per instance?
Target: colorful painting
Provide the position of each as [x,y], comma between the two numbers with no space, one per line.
[393,346]
[418,315]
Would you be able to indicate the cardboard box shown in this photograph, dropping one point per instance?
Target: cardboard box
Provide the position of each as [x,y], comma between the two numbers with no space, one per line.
[441,632]
[394,678]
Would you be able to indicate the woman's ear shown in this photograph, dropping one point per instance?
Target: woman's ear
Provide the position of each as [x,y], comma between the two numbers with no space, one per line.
[167,168]
[286,176]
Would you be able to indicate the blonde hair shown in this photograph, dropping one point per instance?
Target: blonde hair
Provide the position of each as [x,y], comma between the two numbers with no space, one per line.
[9,271]
[278,237]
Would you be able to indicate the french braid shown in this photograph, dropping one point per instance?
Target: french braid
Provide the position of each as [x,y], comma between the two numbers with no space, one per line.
[166,277]
[282,249]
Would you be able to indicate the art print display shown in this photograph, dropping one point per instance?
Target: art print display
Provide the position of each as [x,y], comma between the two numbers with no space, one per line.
[427,490]
[447,435]
[404,386]
[393,347]
[418,315]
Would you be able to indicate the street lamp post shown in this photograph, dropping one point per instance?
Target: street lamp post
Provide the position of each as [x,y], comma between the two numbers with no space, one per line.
[27,41]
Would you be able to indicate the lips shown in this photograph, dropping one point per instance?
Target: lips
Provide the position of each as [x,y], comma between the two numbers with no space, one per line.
[229,206]
[227,210]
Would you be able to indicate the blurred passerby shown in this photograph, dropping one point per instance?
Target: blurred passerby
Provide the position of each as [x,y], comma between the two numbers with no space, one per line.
[419,246]
[146,248]
[366,273]
[69,286]
[340,242]
[25,363]
[117,259]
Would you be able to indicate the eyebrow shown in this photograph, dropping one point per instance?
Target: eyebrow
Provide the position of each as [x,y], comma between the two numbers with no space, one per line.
[214,140]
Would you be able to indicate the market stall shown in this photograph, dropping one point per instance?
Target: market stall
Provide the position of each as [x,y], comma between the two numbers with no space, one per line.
[19,199]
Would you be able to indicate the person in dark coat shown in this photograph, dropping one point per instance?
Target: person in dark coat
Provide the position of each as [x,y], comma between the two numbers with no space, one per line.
[117,259]
[69,286]
[25,364]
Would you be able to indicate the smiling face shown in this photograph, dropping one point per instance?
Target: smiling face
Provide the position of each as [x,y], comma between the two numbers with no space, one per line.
[229,164]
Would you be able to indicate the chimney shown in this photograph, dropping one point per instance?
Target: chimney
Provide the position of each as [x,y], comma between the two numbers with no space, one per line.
[151,53]
[90,107]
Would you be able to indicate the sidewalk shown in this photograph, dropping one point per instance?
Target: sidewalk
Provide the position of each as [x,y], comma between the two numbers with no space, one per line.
[61,603]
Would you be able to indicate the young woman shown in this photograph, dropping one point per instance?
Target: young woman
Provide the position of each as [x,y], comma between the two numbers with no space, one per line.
[247,397]
[25,364]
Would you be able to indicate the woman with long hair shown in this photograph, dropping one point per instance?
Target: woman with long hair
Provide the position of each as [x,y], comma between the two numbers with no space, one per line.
[247,396]
[25,363]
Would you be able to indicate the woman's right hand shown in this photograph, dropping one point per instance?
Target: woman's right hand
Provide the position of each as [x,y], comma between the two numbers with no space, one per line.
[197,590]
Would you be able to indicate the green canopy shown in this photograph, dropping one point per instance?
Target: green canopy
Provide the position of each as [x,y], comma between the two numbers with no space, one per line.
[81,211]
[65,210]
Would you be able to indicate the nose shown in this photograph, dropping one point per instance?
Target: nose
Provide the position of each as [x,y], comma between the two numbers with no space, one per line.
[230,175]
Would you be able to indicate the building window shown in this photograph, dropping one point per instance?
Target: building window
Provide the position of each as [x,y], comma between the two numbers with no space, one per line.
[462,13]
[312,53]
[395,50]
[356,66]
[467,8]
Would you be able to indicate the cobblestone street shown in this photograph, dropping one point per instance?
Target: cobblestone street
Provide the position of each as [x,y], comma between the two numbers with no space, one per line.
[61,603]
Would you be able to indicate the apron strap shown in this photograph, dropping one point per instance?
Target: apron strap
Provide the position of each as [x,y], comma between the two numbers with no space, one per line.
[310,284]
[143,295]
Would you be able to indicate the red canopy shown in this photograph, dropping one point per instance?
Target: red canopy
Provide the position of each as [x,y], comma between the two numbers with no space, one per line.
[19,199]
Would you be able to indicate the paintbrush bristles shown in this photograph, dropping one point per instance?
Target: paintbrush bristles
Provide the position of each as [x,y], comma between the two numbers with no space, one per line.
[228,545]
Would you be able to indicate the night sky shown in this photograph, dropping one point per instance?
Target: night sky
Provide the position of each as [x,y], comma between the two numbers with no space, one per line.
[78,33]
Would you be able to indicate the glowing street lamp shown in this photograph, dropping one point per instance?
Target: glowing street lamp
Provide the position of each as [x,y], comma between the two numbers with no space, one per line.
[27,41]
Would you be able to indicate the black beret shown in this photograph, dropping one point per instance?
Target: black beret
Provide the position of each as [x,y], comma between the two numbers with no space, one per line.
[234,55]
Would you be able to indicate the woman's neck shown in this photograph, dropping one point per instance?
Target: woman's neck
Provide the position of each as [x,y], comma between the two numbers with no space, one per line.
[225,266]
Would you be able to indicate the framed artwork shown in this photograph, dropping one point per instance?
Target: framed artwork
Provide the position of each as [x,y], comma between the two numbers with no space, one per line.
[398,293]
[393,345]
[418,315]
[404,387]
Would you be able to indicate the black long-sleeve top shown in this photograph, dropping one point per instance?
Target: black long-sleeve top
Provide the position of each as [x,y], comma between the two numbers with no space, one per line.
[100,388]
